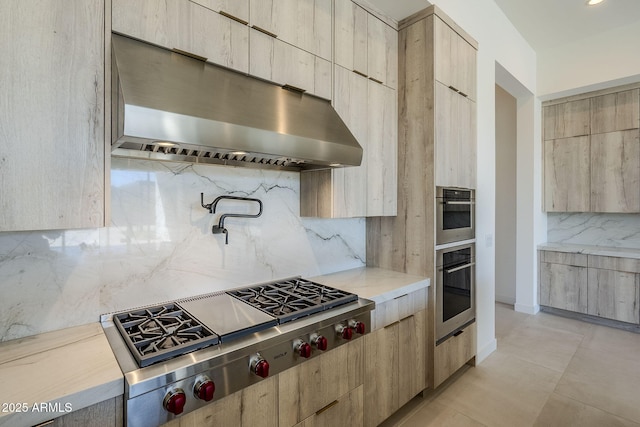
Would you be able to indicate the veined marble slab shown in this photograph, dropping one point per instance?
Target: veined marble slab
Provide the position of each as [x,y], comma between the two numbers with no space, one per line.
[594,229]
[376,284]
[71,369]
[592,250]
[159,246]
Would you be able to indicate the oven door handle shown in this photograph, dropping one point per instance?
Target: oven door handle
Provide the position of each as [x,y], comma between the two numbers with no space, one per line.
[455,202]
[462,267]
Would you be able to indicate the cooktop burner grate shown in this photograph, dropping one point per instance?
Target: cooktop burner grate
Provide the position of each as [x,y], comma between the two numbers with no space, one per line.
[291,299]
[158,333]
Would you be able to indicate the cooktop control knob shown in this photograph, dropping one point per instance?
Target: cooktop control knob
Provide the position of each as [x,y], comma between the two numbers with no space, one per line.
[359,327]
[259,366]
[174,401]
[319,341]
[344,332]
[204,388]
[303,349]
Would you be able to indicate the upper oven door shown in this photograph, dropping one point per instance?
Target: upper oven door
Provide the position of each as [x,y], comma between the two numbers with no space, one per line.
[455,215]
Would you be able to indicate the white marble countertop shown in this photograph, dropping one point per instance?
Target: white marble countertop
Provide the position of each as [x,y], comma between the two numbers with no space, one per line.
[68,369]
[376,284]
[592,250]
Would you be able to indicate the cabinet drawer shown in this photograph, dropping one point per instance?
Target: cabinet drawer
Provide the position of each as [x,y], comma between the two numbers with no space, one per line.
[614,263]
[347,407]
[566,258]
[563,286]
[453,353]
[398,308]
[614,295]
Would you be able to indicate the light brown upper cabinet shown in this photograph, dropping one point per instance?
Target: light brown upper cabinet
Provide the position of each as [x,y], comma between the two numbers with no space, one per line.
[455,60]
[365,44]
[615,111]
[52,149]
[187,26]
[303,23]
[369,109]
[592,153]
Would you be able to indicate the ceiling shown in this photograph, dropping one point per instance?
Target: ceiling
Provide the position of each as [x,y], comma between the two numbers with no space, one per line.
[544,23]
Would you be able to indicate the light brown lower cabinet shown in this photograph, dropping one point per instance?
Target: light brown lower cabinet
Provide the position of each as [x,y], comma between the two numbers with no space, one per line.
[107,413]
[309,387]
[453,353]
[394,368]
[563,286]
[346,409]
[251,407]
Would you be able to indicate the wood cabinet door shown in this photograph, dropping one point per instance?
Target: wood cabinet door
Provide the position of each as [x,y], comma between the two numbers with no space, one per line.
[274,60]
[305,24]
[453,353]
[350,33]
[614,295]
[108,413]
[381,374]
[615,172]
[563,286]
[412,360]
[455,60]
[382,151]
[350,184]
[567,171]
[347,409]
[316,383]
[615,111]
[567,119]
[184,25]
[52,142]
[382,52]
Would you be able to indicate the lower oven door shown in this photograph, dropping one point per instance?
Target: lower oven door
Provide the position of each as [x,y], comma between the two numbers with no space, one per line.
[455,289]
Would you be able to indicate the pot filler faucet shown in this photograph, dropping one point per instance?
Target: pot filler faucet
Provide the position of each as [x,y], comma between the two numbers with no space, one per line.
[219,229]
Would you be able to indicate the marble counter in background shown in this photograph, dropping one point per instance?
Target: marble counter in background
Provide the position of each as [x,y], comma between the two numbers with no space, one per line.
[159,246]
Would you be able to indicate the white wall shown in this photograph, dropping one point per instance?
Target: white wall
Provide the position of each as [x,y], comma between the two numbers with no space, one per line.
[506,141]
[499,42]
[605,60]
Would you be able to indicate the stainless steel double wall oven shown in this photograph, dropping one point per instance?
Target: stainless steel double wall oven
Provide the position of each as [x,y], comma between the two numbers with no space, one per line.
[455,260]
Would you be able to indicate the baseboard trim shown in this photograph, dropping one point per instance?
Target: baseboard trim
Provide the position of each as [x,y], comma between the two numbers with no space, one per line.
[528,309]
[486,351]
[505,299]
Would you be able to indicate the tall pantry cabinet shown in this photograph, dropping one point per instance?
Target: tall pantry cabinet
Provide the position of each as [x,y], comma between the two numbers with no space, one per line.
[436,147]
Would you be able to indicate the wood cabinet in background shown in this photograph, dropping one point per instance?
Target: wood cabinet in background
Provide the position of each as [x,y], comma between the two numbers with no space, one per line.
[455,60]
[365,44]
[454,353]
[592,152]
[563,281]
[305,24]
[187,26]
[52,133]
[109,413]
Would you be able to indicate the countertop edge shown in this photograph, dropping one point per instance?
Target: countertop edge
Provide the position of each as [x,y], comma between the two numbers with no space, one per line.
[591,250]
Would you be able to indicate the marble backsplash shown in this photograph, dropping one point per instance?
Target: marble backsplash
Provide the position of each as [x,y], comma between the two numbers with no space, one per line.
[159,246]
[599,229]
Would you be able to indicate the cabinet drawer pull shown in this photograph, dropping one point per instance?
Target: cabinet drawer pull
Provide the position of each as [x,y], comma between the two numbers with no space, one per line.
[401,296]
[46,423]
[235,18]
[463,94]
[408,317]
[392,324]
[262,30]
[375,80]
[460,332]
[329,406]
[453,88]
[189,54]
[293,89]
[360,73]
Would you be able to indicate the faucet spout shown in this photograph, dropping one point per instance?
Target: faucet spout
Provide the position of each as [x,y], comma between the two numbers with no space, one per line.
[220,229]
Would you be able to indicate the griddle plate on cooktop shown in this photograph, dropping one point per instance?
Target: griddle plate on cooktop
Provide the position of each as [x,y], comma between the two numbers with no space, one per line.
[293,298]
[158,333]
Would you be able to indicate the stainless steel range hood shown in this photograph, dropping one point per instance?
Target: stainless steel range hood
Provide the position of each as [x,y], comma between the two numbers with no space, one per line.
[168,106]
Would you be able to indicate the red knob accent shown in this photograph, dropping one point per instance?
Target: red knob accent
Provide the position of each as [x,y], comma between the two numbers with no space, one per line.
[205,391]
[347,333]
[174,401]
[321,343]
[262,369]
[304,350]
[360,328]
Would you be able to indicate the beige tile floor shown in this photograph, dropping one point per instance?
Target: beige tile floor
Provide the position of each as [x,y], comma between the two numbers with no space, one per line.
[547,371]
